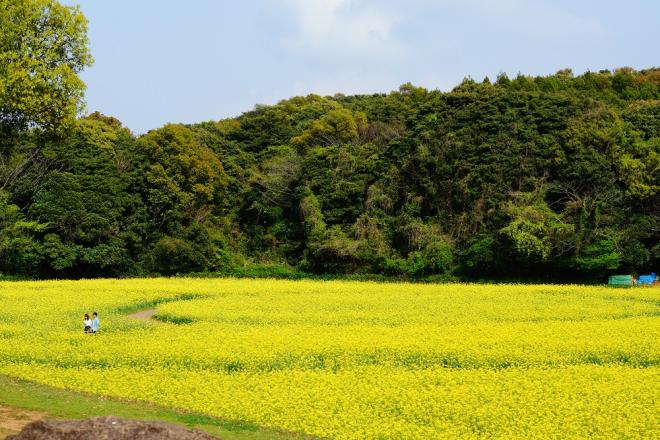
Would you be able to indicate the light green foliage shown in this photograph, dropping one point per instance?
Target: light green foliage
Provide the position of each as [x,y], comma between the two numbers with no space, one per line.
[534,228]
[43,48]
[334,128]
[640,167]
[183,177]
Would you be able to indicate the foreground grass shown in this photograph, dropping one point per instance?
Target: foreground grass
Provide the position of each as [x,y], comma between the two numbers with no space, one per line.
[24,395]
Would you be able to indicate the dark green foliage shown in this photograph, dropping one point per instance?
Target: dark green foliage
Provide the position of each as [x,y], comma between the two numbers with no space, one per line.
[532,177]
[20,252]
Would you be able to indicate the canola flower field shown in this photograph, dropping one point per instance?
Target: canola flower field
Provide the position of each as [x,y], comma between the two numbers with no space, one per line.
[353,359]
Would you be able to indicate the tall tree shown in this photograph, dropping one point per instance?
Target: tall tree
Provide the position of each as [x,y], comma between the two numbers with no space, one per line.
[43,48]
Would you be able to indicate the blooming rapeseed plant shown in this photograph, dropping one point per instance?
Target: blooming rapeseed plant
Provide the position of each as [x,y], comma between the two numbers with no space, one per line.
[353,359]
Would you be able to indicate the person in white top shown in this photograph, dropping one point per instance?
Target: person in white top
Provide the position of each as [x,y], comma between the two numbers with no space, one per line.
[87,323]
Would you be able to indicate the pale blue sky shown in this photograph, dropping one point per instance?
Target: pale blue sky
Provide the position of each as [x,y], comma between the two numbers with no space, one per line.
[160,61]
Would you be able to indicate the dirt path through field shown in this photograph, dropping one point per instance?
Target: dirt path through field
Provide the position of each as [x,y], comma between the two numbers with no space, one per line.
[143,314]
[12,420]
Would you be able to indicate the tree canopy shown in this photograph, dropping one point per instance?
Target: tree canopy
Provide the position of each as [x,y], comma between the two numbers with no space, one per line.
[43,47]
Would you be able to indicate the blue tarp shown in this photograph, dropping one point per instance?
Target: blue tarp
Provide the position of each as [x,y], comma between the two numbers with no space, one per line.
[646,279]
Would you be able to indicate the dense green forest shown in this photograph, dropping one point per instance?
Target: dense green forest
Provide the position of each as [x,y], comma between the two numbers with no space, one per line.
[553,176]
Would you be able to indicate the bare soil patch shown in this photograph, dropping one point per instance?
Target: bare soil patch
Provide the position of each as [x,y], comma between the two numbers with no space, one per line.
[143,314]
[13,420]
[107,428]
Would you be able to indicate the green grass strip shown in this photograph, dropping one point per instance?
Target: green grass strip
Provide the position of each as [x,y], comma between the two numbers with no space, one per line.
[57,403]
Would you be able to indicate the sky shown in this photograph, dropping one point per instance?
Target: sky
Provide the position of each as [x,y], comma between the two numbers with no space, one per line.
[160,61]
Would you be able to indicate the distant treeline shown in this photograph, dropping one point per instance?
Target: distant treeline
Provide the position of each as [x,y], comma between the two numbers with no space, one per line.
[520,177]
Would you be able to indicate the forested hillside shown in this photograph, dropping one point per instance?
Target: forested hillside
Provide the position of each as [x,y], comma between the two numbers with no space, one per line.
[523,176]
[526,176]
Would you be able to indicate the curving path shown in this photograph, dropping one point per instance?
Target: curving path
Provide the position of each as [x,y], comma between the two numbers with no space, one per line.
[143,314]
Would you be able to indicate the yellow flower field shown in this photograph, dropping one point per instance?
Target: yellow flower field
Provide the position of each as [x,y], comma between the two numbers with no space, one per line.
[353,359]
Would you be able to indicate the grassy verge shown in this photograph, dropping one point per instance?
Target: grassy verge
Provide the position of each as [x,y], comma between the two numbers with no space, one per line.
[56,403]
[132,308]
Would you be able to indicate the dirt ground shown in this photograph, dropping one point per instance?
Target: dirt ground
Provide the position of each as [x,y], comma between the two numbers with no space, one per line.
[108,428]
[144,314]
[12,420]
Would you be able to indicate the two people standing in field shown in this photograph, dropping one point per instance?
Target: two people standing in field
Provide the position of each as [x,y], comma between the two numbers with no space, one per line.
[91,325]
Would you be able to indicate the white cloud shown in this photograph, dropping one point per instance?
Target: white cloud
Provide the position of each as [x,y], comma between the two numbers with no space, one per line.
[344,27]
